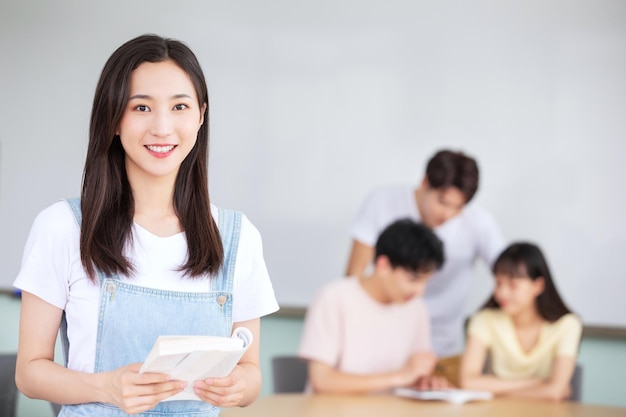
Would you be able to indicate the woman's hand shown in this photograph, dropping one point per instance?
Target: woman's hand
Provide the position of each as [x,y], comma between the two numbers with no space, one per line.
[223,392]
[134,393]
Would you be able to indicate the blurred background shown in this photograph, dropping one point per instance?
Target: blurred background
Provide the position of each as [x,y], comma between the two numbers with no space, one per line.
[314,104]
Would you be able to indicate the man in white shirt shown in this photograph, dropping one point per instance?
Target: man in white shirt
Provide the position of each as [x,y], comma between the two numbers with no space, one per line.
[467,231]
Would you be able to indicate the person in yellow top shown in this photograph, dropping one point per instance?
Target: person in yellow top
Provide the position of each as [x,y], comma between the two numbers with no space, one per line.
[525,329]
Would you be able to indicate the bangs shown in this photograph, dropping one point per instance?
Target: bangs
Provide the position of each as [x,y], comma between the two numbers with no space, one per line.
[511,267]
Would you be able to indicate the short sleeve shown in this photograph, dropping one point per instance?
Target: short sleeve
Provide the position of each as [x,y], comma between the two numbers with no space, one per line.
[489,237]
[51,248]
[254,295]
[321,335]
[364,227]
[480,327]
[570,331]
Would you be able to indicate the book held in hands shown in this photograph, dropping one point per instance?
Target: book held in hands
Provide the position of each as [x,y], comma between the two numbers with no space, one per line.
[192,358]
[455,396]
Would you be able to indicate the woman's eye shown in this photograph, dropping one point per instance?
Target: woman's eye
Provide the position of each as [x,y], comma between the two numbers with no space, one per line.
[142,108]
[180,107]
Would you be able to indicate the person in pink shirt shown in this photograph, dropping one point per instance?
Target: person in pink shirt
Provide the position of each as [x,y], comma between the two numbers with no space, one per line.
[372,334]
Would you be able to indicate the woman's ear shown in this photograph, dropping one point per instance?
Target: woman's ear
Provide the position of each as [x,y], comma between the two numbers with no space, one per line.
[202,111]
[539,285]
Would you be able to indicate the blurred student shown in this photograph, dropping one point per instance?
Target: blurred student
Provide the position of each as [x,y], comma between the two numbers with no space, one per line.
[529,335]
[468,232]
[372,334]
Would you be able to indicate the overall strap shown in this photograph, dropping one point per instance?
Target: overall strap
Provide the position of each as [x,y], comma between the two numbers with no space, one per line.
[74,204]
[229,224]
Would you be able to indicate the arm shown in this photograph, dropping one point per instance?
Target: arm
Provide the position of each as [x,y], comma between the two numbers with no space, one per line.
[556,387]
[471,376]
[361,256]
[243,385]
[38,376]
[326,379]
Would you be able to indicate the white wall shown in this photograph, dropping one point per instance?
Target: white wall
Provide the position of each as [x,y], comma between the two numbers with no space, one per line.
[314,103]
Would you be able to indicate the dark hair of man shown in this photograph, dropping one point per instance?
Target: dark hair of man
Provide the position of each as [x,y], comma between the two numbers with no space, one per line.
[107,200]
[411,246]
[453,169]
[526,260]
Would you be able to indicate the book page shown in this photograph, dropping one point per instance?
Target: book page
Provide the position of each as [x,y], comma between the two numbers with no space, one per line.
[199,359]
[456,396]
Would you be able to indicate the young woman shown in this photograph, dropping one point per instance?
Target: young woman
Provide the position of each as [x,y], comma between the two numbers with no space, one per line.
[529,335]
[142,253]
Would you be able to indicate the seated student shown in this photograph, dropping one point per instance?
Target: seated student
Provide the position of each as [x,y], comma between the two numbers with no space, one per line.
[444,202]
[529,334]
[372,334]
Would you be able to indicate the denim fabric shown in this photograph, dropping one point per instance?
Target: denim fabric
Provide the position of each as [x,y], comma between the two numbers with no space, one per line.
[132,317]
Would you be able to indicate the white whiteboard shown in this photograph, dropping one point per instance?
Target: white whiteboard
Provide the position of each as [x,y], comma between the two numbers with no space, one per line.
[315,103]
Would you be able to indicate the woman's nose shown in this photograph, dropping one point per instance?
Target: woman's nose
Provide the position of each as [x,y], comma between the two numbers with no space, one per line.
[161,124]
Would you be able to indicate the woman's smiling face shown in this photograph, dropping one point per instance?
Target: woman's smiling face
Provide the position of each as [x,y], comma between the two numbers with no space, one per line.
[161,120]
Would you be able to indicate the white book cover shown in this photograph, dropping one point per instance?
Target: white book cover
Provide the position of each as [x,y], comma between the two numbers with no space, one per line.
[191,358]
[453,395]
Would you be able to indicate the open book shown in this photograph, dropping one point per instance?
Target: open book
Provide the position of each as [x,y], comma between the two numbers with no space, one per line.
[456,396]
[191,358]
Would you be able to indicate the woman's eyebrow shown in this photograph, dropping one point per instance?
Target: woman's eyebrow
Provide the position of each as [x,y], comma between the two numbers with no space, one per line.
[140,96]
[146,96]
[181,95]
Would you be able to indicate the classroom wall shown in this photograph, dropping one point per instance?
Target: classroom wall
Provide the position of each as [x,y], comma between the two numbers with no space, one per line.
[604,367]
[296,87]
[315,103]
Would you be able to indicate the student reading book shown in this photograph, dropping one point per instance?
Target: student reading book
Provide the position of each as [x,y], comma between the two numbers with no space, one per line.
[525,329]
[143,252]
[443,201]
[372,333]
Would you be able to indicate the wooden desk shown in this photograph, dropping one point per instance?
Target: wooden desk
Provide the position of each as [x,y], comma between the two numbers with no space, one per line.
[299,405]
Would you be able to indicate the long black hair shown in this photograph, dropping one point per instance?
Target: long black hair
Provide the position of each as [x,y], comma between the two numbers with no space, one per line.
[107,200]
[524,259]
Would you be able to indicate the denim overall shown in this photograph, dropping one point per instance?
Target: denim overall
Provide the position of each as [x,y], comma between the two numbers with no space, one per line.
[132,317]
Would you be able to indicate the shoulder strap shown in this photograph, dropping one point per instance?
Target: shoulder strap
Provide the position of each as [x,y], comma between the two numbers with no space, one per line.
[229,224]
[74,204]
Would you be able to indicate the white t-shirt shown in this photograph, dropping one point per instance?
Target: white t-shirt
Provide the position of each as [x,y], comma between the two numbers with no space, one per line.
[471,235]
[350,331]
[51,269]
